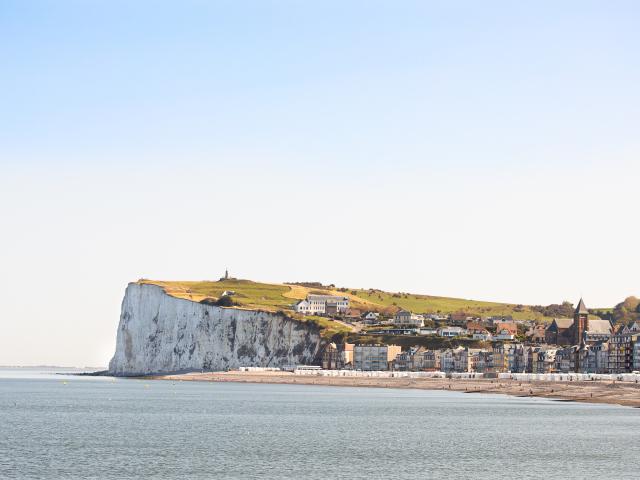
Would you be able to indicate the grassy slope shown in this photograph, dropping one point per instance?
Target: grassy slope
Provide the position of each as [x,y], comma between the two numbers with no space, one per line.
[275,297]
[251,295]
[429,304]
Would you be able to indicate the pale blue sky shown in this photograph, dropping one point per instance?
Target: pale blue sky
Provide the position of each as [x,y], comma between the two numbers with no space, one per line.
[475,149]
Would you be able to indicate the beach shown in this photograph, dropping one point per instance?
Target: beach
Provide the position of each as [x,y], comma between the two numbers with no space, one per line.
[610,392]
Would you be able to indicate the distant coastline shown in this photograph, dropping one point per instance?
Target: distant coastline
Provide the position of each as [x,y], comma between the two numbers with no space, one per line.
[52,367]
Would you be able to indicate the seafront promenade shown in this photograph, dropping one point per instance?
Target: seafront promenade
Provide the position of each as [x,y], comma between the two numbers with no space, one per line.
[571,387]
[524,377]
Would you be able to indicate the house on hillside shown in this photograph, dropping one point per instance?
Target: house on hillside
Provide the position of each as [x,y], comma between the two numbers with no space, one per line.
[322,304]
[427,331]
[370,318]
[459,318]
[509,327]
[478,331]
[536,334]
[482,335]
[492,320]
[404,317]
[450,332]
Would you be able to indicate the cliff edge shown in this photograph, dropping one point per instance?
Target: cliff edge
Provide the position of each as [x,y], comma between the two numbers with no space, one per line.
[159,333]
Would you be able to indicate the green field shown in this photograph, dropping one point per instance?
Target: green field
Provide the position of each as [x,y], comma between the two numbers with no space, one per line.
[248,294]
[429,304]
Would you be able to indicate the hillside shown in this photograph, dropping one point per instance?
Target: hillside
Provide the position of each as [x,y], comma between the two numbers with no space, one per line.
[274,297]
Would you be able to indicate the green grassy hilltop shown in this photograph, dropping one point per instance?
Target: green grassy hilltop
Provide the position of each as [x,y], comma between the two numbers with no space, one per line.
[430,304]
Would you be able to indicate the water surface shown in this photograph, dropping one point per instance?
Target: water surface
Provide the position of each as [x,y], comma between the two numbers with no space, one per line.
[55,426]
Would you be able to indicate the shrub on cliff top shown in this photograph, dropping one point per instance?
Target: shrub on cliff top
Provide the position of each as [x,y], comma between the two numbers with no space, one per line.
[224,301]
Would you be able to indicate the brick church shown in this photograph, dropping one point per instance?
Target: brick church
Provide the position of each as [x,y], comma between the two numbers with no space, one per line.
[579,329]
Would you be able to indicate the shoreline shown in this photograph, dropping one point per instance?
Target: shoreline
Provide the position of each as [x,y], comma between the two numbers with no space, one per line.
[609,392]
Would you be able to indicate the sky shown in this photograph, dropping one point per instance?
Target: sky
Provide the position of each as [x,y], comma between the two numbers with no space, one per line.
[484,150]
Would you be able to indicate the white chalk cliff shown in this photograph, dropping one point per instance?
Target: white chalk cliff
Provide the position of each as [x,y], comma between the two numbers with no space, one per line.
[159,333]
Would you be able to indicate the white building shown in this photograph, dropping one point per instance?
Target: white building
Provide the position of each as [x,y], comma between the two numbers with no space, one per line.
[504,335]
[321,304]
[427,331]
[482,336]
[451,332]
[370,318]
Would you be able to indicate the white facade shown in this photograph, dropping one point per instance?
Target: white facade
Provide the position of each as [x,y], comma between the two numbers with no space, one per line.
[427,331]
[451,331]
[482,336]
[371,317]
[317,304]
[504,335]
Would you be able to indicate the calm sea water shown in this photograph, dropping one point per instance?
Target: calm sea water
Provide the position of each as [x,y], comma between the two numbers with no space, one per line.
[70,427]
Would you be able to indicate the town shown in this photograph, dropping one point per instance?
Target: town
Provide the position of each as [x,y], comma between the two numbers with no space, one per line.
[582,344]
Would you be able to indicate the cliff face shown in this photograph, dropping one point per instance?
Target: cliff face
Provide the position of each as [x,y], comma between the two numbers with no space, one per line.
[159,333]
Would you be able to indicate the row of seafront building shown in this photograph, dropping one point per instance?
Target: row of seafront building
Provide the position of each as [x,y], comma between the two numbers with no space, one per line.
[596,348]
[500,358]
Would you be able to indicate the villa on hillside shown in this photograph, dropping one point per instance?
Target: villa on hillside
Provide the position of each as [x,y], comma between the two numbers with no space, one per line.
[322,304]
[370,318]
[451,332]
[403,317]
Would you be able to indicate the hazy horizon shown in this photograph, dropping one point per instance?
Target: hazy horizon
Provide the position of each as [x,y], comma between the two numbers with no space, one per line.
[481,151]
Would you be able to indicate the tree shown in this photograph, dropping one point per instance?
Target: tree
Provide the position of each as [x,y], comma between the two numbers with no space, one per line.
[628,311]
[554,310]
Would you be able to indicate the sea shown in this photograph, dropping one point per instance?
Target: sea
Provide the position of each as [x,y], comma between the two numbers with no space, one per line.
[69,427]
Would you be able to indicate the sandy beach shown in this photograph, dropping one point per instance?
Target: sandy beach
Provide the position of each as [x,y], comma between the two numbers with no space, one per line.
[620,393]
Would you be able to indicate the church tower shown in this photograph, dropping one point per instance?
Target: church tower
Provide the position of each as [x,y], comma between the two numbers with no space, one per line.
[580,323]
[580,329]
